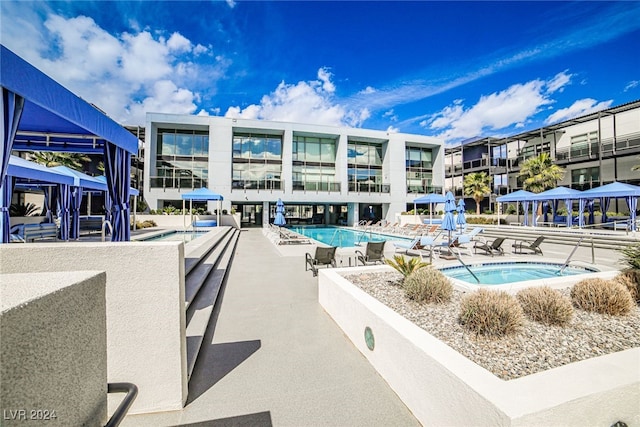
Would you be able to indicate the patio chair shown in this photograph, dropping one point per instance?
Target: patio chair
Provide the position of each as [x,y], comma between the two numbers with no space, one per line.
[472,234]
[407,245]
[458,244]
[373,254]
[490,249]
[534,246]
[323,256]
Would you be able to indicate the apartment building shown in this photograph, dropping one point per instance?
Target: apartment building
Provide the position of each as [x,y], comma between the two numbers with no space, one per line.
[594,149]
[323,174]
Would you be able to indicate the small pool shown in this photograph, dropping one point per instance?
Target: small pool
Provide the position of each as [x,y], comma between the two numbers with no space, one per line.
[343,237]
[518,273]
[180,236]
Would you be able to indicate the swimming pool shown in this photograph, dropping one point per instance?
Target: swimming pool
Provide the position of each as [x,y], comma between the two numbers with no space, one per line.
[343,237]
[515,275]
[183,236]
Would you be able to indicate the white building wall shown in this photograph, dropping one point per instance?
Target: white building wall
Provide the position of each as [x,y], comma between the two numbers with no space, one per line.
[221,132]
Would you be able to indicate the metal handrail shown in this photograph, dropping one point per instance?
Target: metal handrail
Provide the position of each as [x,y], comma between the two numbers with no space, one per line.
[106,223]
[566,263]
[465,265]
[123,408]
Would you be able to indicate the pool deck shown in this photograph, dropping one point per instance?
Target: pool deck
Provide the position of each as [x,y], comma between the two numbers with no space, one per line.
[276,358]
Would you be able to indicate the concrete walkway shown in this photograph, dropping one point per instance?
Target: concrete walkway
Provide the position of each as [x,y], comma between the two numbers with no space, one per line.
[276,358]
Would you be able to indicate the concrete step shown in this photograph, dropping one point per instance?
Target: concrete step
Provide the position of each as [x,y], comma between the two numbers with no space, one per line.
[600,239]
[198,249]
[199,273]
[199,312]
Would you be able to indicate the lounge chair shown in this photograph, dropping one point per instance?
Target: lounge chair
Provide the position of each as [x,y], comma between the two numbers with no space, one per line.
[520,245]
[323,256]
[495,248]
[472,234]
[407,245]
[373,254]
[286,237]
[458,244]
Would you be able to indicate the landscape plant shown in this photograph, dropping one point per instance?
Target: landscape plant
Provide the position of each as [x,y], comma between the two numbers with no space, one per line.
[406,265]
[428,285]
[491,313]
[630,279]
[24,209]
[545,305]
[477,185]
[602,296]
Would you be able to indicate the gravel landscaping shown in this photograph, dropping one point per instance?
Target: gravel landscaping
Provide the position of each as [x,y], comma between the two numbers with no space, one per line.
[535,348]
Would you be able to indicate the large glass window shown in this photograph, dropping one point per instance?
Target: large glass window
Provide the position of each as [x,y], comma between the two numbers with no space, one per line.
[257,161]
[584,145]
[585,178]
[181,159]
[419,168]
[364,167]
[314,163]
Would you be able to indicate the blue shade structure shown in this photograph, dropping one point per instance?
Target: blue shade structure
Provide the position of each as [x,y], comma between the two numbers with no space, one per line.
[279,219]
[39,114]
[430,199]
[615,190]
[202,194]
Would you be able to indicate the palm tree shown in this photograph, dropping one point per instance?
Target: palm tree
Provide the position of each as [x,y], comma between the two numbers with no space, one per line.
[540,173]
[50,158]
[477,185]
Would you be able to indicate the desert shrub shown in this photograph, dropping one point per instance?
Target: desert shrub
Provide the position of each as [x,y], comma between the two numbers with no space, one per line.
[631,256]
[428,285]
[602,296]
[630,279]
[545,305]
[145,224]
[491,313]
[405,266]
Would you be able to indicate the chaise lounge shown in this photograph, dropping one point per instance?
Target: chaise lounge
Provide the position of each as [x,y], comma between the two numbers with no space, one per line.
[495,248]
[374,253]
[324,255]
[534,246]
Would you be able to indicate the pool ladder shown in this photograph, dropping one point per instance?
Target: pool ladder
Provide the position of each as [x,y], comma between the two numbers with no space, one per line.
[457,255]
[339,234]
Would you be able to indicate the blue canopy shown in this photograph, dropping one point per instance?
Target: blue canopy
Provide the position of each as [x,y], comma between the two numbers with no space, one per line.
[558,193]
[201,194]
[39,114]
[103,179]
[616,189]
[28,172]
[516,196]
[430,198]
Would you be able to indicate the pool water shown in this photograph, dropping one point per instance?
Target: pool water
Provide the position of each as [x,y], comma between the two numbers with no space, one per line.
[180,236]
[343,237]
[504,273]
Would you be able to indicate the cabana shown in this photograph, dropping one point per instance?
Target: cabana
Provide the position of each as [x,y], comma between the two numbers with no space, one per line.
[558,193]
[614,190]
[38,114]
[520,196]
[202,194]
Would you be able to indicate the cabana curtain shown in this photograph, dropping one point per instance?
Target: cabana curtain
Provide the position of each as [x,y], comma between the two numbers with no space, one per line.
[76,200]
[64,202]
[12,107]
[118,167]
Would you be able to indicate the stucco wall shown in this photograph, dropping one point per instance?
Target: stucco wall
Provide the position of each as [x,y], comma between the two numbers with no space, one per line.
[145,310]
[441,387]
[53,357]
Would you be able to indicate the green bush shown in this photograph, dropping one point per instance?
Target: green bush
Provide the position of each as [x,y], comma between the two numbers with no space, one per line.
[630,279]
[405,266]
[491,313]
[511,210]
[428,285]
[545,305]
[602,296]
[631,256]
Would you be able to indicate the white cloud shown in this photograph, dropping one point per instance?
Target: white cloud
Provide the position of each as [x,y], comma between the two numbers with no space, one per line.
[231,3]
[306,102]
[124,74]
[496,111]
[558,82]
[392,129]
[577,109]
[367,90]
[632,85]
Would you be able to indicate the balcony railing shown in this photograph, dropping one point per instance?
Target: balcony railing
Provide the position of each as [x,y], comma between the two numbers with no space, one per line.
[418,189]
[333,187]
[262,184]
[357,187]
[179,183]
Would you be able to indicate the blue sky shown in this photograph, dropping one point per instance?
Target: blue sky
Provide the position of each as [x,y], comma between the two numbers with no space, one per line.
[455,70]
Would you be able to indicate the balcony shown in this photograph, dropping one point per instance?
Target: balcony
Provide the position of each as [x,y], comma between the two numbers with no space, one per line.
[330,187]
[262,184]
[365,187]
[419,189]
[189,183]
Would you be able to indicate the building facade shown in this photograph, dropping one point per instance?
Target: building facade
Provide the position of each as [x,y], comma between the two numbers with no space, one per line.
[594,150]
[323,174]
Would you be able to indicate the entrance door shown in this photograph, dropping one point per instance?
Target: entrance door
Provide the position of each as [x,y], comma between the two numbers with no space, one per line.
[251,215]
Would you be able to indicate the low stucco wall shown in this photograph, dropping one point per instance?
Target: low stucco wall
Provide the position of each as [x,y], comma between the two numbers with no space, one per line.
[53,357]
[146,343]
[442,387]
[180,221]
